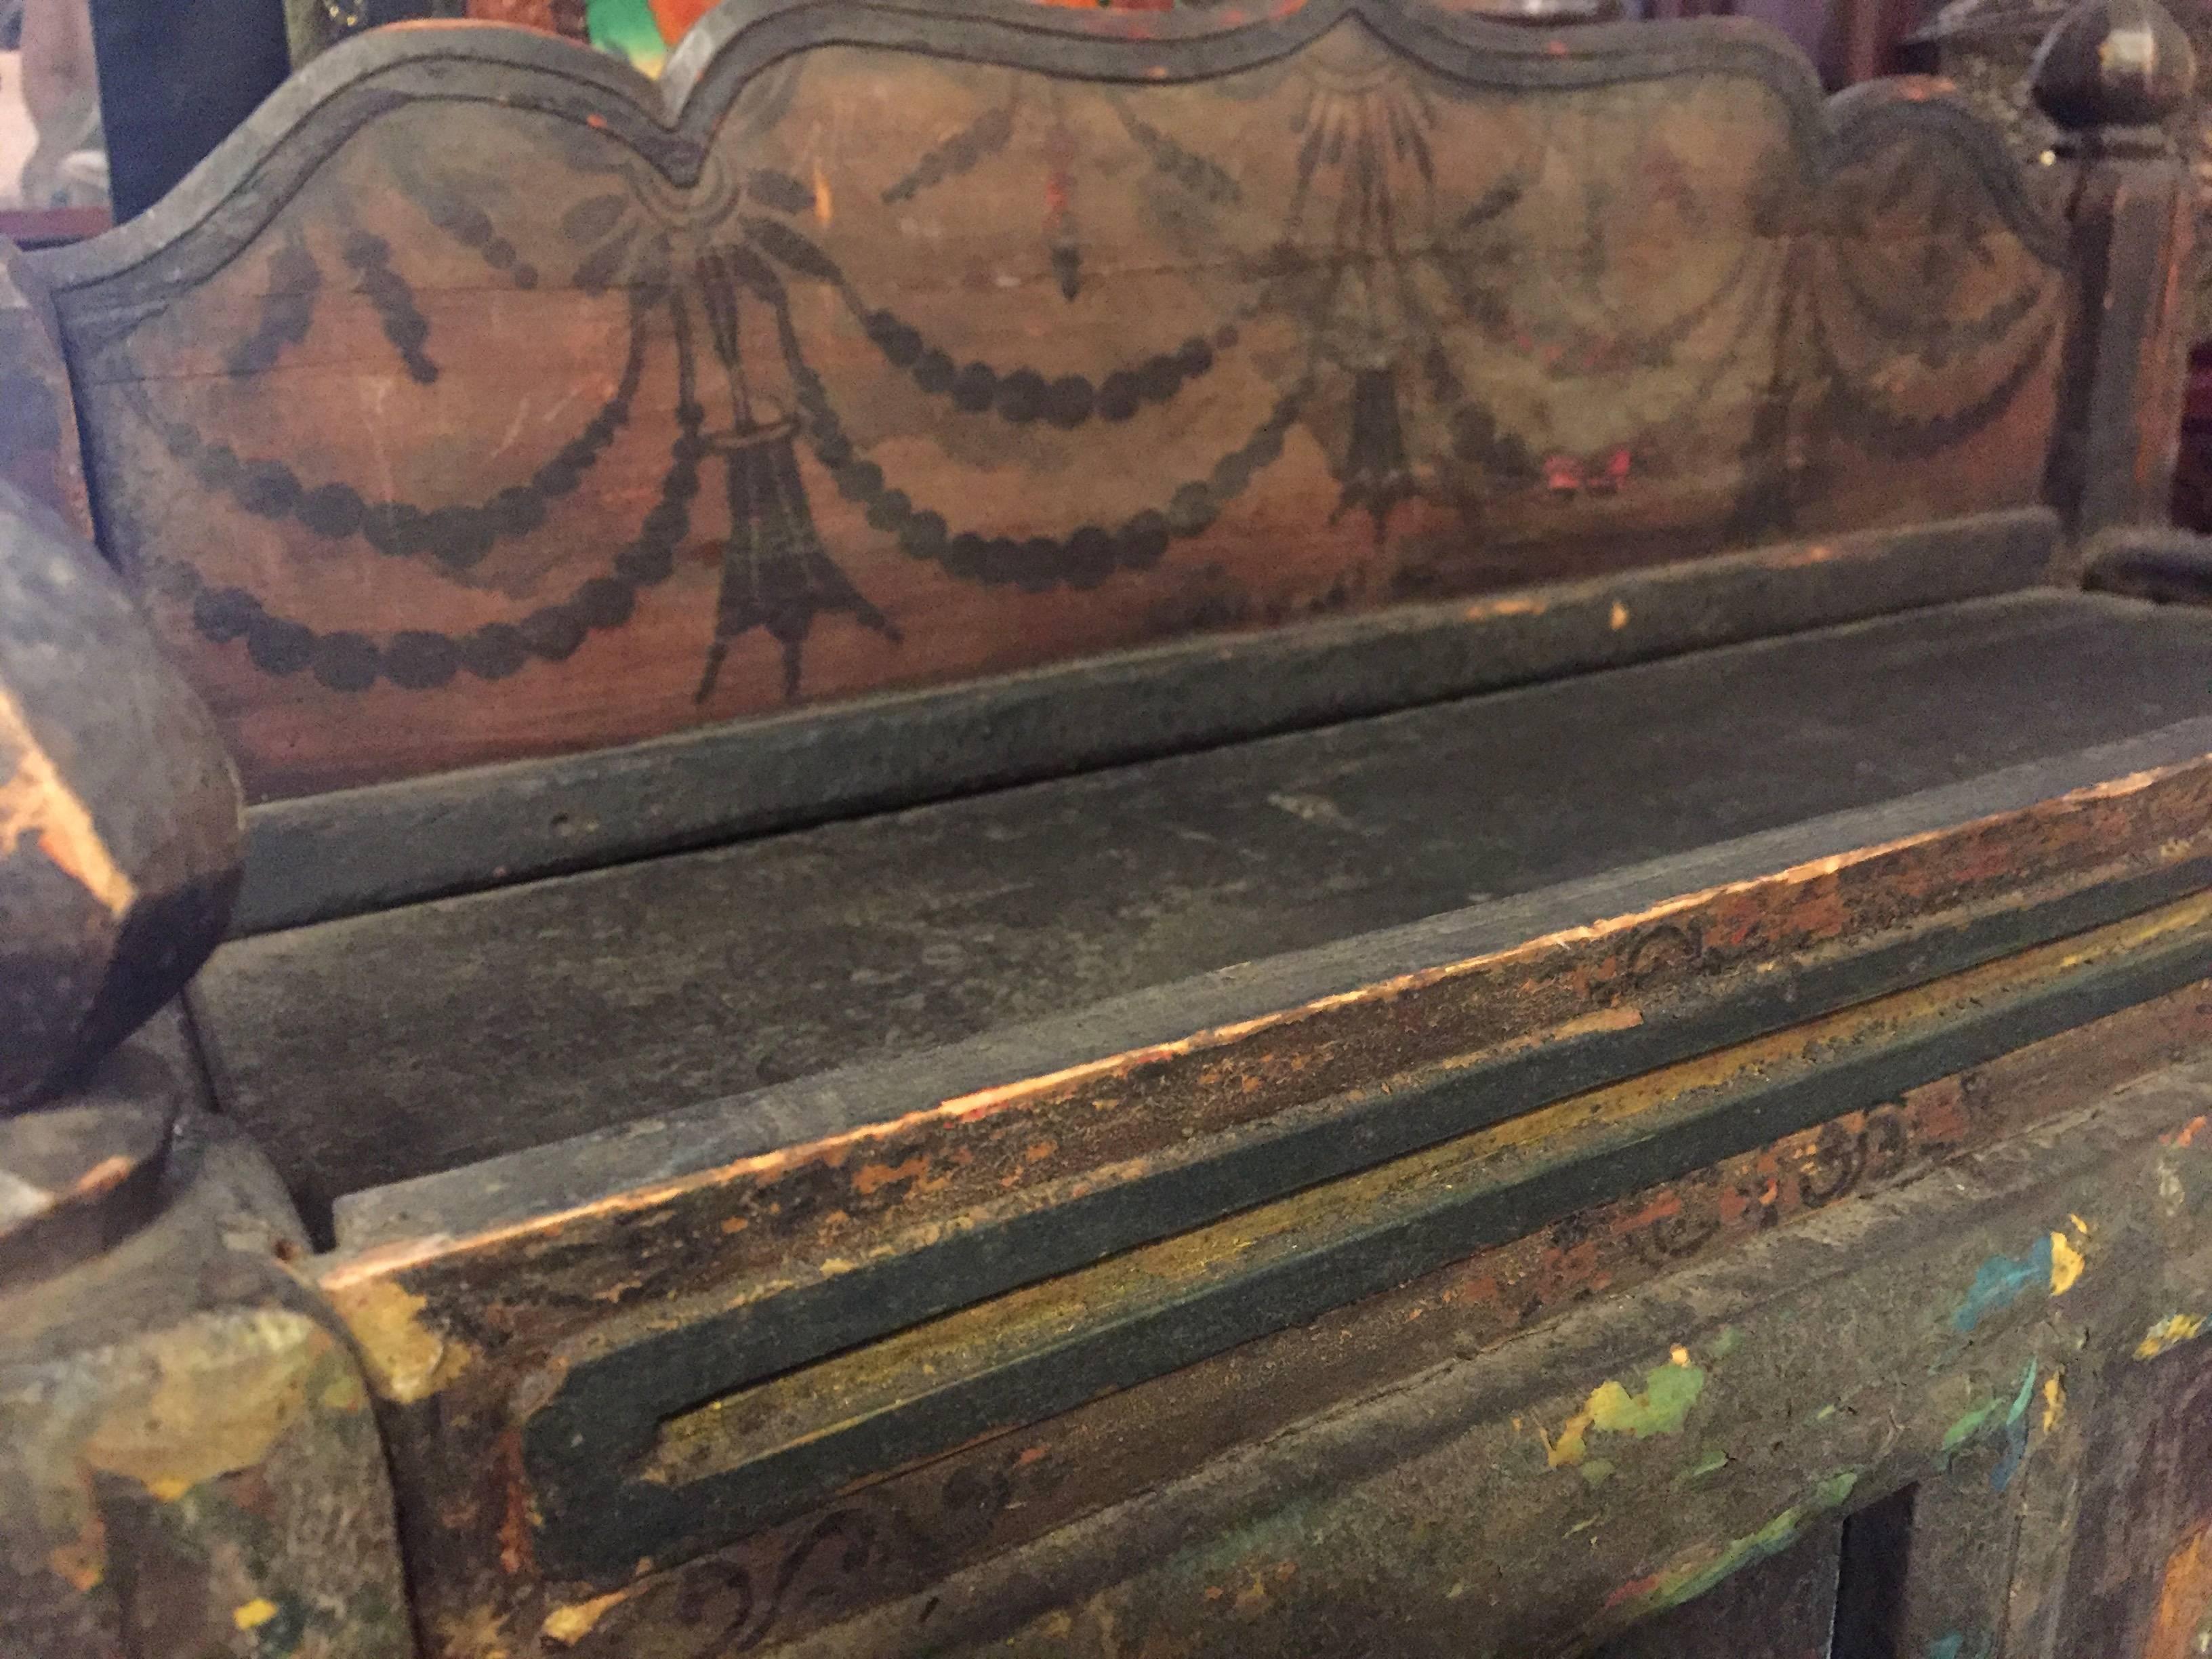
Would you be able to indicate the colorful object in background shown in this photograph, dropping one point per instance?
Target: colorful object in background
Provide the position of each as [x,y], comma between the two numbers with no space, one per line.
[643,31]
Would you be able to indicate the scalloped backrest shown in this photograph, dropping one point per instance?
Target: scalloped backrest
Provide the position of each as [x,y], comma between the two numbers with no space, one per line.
[464,406]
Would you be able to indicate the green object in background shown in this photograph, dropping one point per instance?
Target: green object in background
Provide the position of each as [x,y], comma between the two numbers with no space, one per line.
[627,29]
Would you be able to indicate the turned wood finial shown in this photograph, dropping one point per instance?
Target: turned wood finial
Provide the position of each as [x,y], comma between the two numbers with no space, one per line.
[119,813]
[2114,67]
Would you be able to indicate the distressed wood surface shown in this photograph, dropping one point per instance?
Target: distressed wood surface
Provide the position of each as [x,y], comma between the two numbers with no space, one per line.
[653,1443]
[119,813]
[1932,1324]
[972,1161]
[481,399]
[2139,1561]
[1783,1607]
[2113,460]
[188,1462]
[558,1008]
[318,856]
[38,453]
[906,1530]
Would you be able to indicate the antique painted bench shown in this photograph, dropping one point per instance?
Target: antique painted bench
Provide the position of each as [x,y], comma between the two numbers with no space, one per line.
[1203,832]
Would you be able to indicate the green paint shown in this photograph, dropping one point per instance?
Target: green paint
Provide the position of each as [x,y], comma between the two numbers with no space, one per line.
[2015,1442]
[1965,1428]
[1691,1577]
[1978,1418]
[1597,1471]
[1668,1392]
[1712,1458]
[1727,1342]
[627,29]
[2027,1393]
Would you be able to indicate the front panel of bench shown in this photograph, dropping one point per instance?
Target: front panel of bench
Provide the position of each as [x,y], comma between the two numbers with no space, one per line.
[465,406]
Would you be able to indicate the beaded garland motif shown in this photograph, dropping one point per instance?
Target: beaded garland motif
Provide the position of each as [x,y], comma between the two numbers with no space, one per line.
[1342,299]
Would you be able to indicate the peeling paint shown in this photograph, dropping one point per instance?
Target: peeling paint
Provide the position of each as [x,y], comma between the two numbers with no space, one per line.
[2066,1264]
[218,1401]
[2184,1600]
[2170,1332]
[872,1178]
[1668,1392]
[1969,1424]
[405,1358]
[1692,1574]
[2003,1279]
[2173,1196]
[568,1625]
[1980,1415]
[2015,1442]
[82,1560]
[1712,1459]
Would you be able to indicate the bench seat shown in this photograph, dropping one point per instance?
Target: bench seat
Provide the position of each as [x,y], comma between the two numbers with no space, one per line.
[374,1049]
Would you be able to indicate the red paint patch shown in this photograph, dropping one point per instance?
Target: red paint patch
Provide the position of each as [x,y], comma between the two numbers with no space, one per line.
[1665,1207]
[1634,1590]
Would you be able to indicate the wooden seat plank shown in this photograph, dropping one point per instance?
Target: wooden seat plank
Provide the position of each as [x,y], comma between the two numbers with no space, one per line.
[379,1048]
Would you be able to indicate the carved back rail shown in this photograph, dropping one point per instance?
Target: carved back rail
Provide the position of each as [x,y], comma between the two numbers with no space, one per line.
[481,399]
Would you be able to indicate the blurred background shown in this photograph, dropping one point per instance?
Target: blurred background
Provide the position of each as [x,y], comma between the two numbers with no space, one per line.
[182,73]
[52,155]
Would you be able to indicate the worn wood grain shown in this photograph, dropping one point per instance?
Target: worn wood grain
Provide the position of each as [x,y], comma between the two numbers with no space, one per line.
[478,1026]
[1781,1608]
[1171,1209]
[192,1461]
[2112,464]
[38,453]
[318,856]
[651,1443]
[482,400]
[119,813]
[1360,1534]
[913,1526]
[903,1536]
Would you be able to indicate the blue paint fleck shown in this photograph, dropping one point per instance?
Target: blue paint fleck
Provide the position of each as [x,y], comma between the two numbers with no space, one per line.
[2002,1281]
[1953,1646]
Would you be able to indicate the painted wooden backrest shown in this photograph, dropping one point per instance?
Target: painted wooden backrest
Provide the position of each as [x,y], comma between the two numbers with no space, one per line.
[481,399]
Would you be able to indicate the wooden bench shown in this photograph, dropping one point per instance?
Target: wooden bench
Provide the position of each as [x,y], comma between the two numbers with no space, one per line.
[1189,832]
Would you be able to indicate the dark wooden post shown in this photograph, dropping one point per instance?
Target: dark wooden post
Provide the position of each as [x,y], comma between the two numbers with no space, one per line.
[2108,75]
[188,1461]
